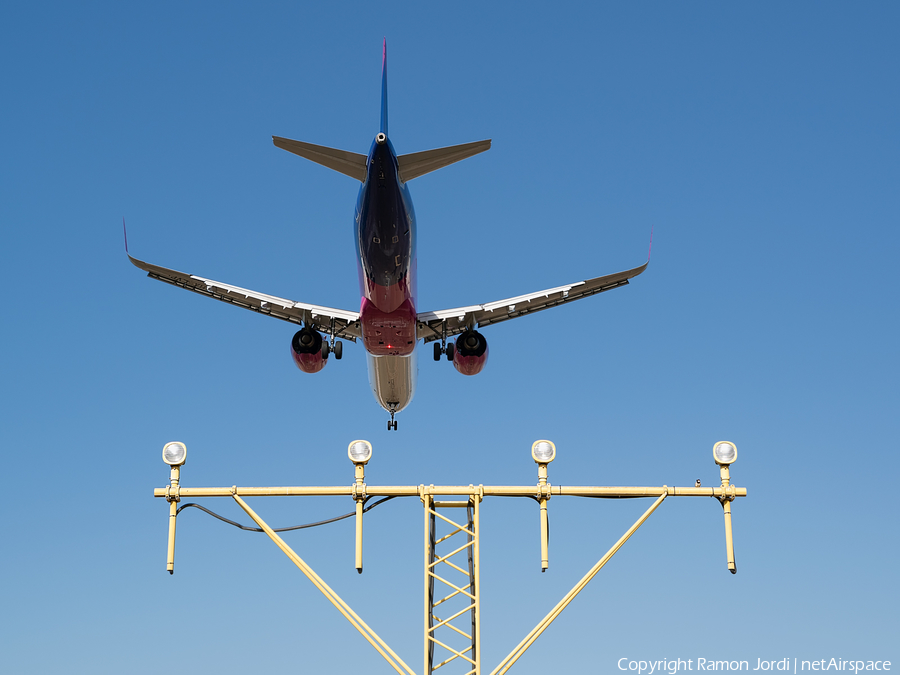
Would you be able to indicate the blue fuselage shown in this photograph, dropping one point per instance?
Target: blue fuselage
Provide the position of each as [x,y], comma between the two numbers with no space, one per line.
[385,227]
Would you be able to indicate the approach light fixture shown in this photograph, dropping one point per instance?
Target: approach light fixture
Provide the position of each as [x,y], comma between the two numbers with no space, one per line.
[359,452]
[543,452]
[724,452]
[174,453]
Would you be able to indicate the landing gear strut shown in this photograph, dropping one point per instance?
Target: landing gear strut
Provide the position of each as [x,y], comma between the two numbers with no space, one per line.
[392,424]
[333,346]
[443,347]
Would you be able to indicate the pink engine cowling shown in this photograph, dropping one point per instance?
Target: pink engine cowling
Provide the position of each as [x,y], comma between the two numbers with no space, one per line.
[471,353]
[306,350]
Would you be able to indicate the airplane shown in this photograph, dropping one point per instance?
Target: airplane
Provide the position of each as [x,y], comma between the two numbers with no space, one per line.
[388,322]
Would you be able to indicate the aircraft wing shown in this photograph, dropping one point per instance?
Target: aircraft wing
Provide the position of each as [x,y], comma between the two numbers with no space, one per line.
[346,324]
[432,325]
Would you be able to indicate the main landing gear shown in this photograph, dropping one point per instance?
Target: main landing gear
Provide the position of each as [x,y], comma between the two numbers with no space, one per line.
[449,350]
[444,347]
[337,349]
[333,346]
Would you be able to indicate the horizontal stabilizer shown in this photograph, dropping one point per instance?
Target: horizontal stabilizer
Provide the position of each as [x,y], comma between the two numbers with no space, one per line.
[419,163]
[348,163]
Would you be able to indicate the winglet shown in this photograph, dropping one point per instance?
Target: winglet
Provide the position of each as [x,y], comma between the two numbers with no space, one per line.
[384,100]
[134,261]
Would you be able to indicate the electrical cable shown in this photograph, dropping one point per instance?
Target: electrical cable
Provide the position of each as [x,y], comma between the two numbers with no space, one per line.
[282,529]
[520,496]
[616,496]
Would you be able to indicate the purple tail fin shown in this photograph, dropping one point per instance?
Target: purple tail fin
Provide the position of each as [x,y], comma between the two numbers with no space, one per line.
[384,102]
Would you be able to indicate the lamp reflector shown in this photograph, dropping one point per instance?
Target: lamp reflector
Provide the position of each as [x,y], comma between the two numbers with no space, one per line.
[724,452]
[543,452]
[359,452]
[174,453]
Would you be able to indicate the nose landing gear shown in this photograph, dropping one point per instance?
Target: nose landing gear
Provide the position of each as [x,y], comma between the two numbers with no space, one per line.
[392,424]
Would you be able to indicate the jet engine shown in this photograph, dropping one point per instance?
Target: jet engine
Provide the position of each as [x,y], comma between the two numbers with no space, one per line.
[307,350]
[471,353]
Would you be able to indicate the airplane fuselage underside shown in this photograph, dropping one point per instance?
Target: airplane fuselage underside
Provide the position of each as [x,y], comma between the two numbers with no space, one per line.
[386,253]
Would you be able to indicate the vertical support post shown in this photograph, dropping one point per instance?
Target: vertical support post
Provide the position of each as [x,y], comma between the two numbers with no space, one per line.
[470,539]
[429,581]
[170,554]
[359,494]
[359,538]
[173,498]
[726,508]
[729,541]
[476,591]
[545,525]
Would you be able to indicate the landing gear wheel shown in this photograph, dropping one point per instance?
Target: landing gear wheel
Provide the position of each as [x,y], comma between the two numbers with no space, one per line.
[338,350]
[325,349]
[451,351]
[392,424]
[437,351]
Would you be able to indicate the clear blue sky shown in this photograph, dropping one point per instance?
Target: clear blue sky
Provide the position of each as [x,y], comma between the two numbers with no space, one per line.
[759,141]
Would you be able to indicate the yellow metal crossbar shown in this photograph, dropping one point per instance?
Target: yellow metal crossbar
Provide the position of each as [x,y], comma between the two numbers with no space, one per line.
[452,658]
[452,595]
[446,558]
[451,585]
[461,632]
[459,654]
[459,528]
[450,618]
[447,536]
[458,491]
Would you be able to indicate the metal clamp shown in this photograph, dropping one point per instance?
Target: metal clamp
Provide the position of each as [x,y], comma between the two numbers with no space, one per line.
[358,492]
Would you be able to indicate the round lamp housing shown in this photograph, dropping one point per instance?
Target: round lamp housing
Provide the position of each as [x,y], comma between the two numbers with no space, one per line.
[543,452]
[359,452]
[724,452]
[174,453]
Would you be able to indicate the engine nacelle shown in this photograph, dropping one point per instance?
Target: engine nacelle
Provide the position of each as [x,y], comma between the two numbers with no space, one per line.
[306,349]
[471,353]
